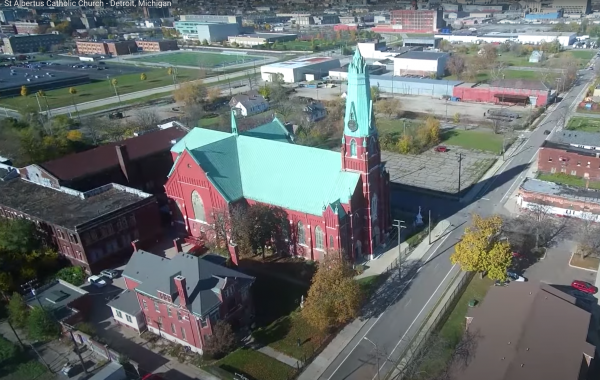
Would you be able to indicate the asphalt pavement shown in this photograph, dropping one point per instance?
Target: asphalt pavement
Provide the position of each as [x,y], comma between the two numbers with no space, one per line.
[385,336]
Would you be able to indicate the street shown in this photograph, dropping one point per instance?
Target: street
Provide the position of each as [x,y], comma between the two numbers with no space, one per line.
[385,336]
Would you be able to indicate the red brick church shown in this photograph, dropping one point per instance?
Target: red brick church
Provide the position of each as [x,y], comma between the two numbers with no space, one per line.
[333,200]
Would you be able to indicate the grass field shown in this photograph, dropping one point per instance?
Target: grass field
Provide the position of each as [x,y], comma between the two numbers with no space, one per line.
[508,74]
[485,141]
[199,59]
[102,89]
[254,365]
[582,54]
[569,180]
[584,124]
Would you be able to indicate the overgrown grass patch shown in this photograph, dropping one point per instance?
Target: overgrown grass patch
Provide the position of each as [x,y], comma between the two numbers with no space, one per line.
[568,180]
[484,141]
[255,365]
[584,124]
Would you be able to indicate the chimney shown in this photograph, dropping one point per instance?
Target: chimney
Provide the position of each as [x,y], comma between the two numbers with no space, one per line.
[124,162]
[177,244]
[180,284]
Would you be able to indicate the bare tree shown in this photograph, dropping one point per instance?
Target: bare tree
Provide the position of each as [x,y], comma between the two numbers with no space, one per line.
[93,128]
[221,226]
[497,71]
[588,238]
[146,120]
[192,114]
[456,65]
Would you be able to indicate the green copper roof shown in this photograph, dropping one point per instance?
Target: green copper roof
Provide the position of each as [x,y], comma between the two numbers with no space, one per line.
[359,107]
[272,171]
[274,130]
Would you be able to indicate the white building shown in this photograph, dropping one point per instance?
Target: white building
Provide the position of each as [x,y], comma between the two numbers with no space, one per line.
[127,312]
[565,39]
[374,50]
[296,69]
[421,63]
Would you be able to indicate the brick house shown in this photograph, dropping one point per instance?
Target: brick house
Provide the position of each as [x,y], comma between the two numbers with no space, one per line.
[333,200]
[181,299]
[571,152]
[505,91]
[141,162]
[93,229]
[157,45]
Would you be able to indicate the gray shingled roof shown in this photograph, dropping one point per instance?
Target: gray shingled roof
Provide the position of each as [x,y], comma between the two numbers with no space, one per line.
[126,302]
[201,275]
[576,137]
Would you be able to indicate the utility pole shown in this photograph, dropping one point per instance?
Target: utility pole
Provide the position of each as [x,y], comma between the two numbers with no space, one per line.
[399,224]
[376,355]
[460,158]
[429,227]
[404,122]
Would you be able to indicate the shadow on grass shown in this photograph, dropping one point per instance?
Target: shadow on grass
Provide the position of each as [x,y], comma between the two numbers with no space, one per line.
[274,332]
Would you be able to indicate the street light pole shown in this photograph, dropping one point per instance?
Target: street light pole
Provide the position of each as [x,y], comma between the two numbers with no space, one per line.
[460,158]
[376,355]
[399,224]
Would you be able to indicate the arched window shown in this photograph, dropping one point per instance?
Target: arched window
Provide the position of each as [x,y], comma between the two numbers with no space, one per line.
[331,245]
[353,148]
[301,236]
[198,207]
[374,207]
[319,237]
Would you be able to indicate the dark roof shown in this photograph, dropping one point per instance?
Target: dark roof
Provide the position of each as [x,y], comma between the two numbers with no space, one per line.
[66,209]
[423,55]
[202,276]
[126,302]
[526,84]
[576,137]
[57,296]
[527,331]
[96,160]
[548,144]
[563,191]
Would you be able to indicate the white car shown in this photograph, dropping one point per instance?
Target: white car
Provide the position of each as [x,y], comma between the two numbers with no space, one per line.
[515,277]
[97,281]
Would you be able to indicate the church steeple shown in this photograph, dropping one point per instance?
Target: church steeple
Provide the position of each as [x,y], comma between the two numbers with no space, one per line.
[359,120]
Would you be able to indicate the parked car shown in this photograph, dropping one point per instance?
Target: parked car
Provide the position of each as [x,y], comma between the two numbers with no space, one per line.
[515,277]
[153,376]
[547,132]
[115,115]
[68,369]
[97,281]
[585,287]
[110,273]
[441,149]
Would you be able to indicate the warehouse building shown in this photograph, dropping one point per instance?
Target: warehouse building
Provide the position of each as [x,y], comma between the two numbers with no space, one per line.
[210,31]
[430,42]
[215,19]
[565,39]
[506,91]
[32,43]
[414,86]
[341,73]
[297,70]
[421,63]
[260,38]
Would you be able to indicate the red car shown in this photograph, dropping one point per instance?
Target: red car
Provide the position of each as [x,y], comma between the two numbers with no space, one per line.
[153,376]
[585,287]
[441,149]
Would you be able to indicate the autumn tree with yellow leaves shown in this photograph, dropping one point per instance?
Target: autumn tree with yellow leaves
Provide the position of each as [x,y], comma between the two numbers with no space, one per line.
[481,251]
[334,297]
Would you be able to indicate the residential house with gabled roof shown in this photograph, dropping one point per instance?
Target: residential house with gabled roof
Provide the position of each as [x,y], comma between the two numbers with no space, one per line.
[249,103]
[181,299]
[333,200]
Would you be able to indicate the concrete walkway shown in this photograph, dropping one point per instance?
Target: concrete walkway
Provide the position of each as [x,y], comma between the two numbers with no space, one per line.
[378,266]
[292,362]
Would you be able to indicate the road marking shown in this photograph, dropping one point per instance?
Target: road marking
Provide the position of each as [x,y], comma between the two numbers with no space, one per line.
[485,199]
[417,317]
[398,295]
[407,303]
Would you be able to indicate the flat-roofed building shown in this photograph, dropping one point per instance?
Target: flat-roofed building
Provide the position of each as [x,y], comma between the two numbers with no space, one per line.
[157,45]
[260,38]
[32,43]
[108,47]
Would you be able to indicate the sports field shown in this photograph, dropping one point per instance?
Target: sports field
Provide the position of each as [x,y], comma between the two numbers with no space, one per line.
[198,59]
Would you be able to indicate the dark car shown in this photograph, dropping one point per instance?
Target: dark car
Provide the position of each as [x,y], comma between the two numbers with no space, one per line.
[115,115]
[585,287]
[547,132]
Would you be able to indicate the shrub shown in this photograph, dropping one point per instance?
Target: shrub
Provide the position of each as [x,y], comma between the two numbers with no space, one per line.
[72,275]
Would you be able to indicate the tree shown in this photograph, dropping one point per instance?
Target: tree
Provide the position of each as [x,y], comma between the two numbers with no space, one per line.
[265,91]
[73,92]
[222,341]
[190,93]
[456,118]
[72,275]
[24,91]
[8,351]
[489,53]
[64,28]
[213,94]
[389,107]
[480,250]
[432,126]
[405,144]
[191,114]
[334,298]
[41,325]
[18,311]
[374,93]
[20,236]
[456,65]
[205,42]
[588,238]
[143,76]
[146,121]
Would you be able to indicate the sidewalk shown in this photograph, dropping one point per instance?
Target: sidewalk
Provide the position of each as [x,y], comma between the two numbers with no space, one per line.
[378,266]
[280,356]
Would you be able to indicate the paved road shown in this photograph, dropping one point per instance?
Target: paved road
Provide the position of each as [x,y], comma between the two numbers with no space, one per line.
[407,308]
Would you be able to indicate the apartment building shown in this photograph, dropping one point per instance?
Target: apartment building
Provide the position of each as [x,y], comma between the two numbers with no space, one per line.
[31,43]
[114,48]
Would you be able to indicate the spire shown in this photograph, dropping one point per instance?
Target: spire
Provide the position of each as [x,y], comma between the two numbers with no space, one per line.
[358,119]
[358,64]
[234,129]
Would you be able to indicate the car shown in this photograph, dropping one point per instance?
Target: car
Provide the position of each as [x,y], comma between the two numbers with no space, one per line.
[115,115]
[97,281]
[440,149]
[153,376]
[585,287]
[515,277]
[546,132]
[110,273]
[67,369]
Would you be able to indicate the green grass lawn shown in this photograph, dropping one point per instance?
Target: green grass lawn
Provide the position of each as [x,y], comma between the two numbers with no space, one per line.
[28,370]
[102,89]
[387,126]
[453,327]
[255,365]
[199,59]
[485,141]
[569,180]
[582,54]
[585,124]
[484,76]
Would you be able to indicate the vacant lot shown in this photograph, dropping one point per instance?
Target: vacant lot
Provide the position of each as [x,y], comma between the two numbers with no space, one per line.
[199,59]
[102,89]
[584,124]
[254,365]
[475,140]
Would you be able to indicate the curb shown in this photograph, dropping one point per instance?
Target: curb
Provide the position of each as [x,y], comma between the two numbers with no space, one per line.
[576,267]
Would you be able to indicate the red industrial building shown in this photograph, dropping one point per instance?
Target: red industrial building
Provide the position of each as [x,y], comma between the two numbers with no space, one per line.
[413,21]
[332,201]
[574,153]
[506,91]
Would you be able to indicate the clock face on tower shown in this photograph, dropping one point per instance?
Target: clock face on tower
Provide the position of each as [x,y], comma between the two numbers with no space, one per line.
[352,125]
